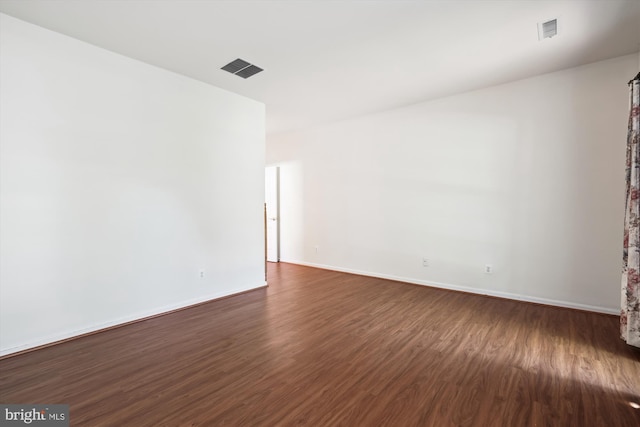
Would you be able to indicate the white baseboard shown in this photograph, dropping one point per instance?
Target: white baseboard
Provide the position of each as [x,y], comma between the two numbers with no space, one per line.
[50,339]
[499,294]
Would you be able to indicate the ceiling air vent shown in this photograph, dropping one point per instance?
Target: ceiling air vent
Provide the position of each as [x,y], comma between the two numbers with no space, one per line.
[242,68]
[547,29]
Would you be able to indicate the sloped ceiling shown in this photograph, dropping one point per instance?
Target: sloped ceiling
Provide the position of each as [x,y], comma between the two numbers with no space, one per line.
[330,60]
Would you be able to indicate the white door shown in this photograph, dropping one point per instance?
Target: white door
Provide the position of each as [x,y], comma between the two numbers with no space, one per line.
[272,175]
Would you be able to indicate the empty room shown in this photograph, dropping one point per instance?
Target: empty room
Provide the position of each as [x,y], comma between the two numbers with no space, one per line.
[321,213]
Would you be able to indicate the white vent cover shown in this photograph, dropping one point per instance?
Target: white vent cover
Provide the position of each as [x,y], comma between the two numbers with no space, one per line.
[547,29]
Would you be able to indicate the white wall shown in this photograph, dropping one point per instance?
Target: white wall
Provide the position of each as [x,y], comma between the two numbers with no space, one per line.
[526,176]
[119,182]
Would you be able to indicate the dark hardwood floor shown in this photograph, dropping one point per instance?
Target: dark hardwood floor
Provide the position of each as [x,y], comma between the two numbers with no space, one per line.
[322,348]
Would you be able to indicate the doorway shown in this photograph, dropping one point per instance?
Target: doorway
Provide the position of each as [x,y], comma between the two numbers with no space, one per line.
[272,203]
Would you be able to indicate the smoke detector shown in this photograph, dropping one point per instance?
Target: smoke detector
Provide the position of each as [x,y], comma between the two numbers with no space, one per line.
[547,29]
[242,68]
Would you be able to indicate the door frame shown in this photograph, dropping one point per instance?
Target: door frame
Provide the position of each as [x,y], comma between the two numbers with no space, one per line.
[276,217]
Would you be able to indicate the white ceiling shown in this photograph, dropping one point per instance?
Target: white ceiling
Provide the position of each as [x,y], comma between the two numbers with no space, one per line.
[329,60]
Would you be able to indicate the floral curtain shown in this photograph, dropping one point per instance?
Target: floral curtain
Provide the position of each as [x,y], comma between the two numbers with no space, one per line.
[630,314]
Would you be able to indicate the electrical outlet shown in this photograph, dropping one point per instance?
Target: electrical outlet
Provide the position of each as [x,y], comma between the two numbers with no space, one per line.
[316,249]
[425,262]
[488,269]
[201,274]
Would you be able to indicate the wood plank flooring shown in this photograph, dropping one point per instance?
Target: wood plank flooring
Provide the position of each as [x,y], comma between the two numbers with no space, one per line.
[322,348]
